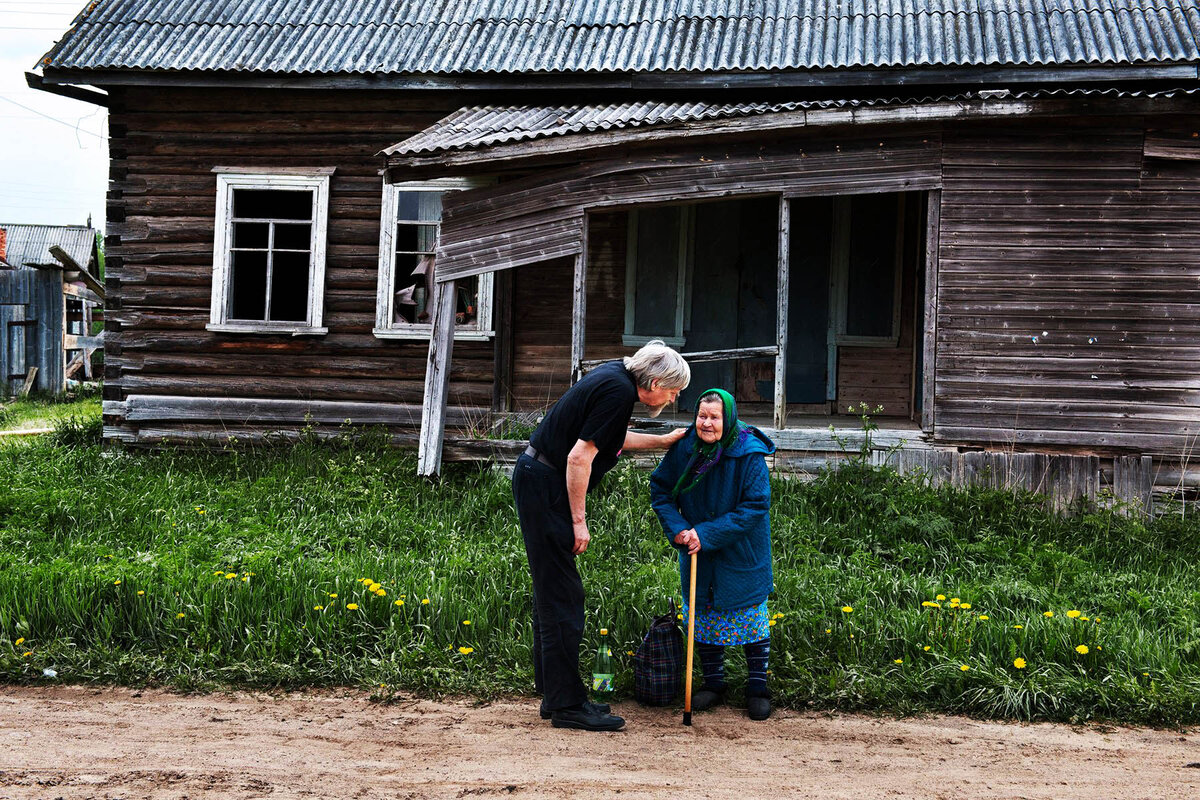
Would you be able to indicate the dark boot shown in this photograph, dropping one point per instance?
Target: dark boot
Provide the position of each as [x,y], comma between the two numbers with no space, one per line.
[758,706]
[706,698]
[584,718]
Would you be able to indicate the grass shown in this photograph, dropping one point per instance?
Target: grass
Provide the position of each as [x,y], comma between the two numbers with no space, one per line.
[205,569]
[48,411]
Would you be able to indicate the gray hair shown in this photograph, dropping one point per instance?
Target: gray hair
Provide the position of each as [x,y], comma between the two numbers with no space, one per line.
[657,362]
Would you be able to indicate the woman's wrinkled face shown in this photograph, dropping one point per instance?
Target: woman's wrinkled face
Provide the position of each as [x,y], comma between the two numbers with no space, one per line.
[710,421]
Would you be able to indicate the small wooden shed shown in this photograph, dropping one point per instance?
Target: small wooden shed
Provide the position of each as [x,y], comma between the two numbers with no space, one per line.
[49,298]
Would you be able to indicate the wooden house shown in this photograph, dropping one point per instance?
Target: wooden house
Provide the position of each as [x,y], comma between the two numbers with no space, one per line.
[979,215]
[49,293]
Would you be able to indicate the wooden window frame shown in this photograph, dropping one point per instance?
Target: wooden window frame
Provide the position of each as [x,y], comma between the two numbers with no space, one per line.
[683,289]
[840,278]
[385,327]
[315,180]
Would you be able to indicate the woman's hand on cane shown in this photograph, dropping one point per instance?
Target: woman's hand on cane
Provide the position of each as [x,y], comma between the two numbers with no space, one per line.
[689,539]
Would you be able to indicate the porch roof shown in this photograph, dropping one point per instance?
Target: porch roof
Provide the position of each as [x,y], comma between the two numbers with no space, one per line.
[475,133]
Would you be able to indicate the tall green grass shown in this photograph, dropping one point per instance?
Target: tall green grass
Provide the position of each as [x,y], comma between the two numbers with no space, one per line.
[202,569]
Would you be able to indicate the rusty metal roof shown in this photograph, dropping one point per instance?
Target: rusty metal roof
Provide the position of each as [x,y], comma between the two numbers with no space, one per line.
[29,245]
[475,127]
[619,36]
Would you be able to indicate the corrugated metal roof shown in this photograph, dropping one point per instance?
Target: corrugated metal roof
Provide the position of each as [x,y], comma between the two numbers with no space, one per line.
[29,245]
[485,126]
[522,36]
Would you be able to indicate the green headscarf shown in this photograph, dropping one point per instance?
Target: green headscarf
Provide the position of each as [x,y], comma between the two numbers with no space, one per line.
[705,455]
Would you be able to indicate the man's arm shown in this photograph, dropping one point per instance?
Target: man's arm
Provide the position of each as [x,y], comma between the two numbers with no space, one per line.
[579,472]
[650,441]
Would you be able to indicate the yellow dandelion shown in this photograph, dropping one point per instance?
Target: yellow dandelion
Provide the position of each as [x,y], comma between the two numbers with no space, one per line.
[201,511]
[927,648]
[374,587]
[425,601]
[116,583]
[1084,619]
[27,654]
[1099,647]
[399,602]
[1047,614]
[955,600]
[965,606]
[141,593]
[1074,614]
[352,606]
[829,630]
[1145,674]
[930,604]
[318,608]
[778,616]
[964,668]
[19,642]
[180,615]
[679,616]
[897,660]
[381,593]
[847,609]
[1082,649]
[1019,627]
[628,652]
[230,576]
[771,623]
[246,579]
[466,651]
[219,572]
[984,617]
[1019,663]
[940,597]
[333,595]
[955,605]
[852,636]
[466,622]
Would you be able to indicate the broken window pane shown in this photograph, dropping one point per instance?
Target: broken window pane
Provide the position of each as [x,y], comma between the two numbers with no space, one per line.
[416,238]
[272,204]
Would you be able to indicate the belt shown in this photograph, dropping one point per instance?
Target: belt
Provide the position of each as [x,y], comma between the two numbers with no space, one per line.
[533,452]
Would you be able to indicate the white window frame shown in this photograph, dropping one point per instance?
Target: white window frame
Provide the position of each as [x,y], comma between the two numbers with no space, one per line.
[385,327]
[314,179]
[683,288]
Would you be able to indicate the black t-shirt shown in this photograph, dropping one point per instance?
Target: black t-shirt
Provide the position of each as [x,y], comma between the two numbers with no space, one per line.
[597,410]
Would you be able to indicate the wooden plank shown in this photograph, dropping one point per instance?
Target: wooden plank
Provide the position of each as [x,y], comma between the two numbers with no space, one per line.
[783,277]
[82,293]
[929,342]
[64,258]
[502,384]
[579,307]
[73,341]
[271,411]
[437,382]
[30,377]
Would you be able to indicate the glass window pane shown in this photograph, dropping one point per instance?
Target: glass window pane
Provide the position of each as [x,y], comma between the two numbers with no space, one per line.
[250,234]
[293,237]
[416,238]
[248,285]
[419,206]
[656,286]
[289,287]
[272,204]
[871,281]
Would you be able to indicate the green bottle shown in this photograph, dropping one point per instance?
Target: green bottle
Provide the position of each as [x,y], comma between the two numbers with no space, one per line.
[602,675]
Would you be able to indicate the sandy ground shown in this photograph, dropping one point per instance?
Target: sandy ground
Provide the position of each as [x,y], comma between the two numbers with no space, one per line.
[70,742]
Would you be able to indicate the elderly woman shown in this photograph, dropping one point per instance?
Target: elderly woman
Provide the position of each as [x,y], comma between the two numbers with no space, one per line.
[712,495]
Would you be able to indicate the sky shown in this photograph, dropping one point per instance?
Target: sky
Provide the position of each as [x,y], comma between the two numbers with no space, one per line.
[53,150]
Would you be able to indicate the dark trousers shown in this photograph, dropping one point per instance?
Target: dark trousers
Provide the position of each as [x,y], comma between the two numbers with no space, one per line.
[545,514]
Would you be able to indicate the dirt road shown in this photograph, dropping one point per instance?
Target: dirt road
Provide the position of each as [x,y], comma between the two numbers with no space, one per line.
[72,742]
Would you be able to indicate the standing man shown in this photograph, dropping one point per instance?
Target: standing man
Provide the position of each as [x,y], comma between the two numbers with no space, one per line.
[577,442]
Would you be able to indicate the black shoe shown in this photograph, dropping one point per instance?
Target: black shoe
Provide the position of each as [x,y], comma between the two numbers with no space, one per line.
[759,708]
[584,718]
[704,699]
[596,708]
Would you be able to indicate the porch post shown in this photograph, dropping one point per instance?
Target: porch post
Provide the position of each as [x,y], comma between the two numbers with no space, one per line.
[781,312]
[437,382]
[933,220]
[579,307]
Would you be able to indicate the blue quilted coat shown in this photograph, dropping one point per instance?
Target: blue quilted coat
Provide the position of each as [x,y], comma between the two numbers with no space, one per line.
[729,509]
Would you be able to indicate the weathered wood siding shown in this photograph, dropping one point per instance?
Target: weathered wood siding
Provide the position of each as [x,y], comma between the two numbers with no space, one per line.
[164,145]
[1069,290]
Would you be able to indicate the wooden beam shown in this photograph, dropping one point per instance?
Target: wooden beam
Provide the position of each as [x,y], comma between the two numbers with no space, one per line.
[437,382]
[35,81]
[83,294]
[929,345]
[64,258]
[579,306]
[781,311]
[73,341]
[30,377]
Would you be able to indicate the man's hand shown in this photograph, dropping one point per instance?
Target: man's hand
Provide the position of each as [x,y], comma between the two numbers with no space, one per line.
[674,436]
[582,537]
[689,539]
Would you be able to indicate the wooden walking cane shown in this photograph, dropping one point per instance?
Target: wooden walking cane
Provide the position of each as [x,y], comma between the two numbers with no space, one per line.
[687,691]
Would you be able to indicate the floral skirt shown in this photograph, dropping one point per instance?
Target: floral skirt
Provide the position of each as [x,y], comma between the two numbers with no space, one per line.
[731,626]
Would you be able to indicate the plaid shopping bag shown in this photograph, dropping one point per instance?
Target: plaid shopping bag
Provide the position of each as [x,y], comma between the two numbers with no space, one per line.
[658,662]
